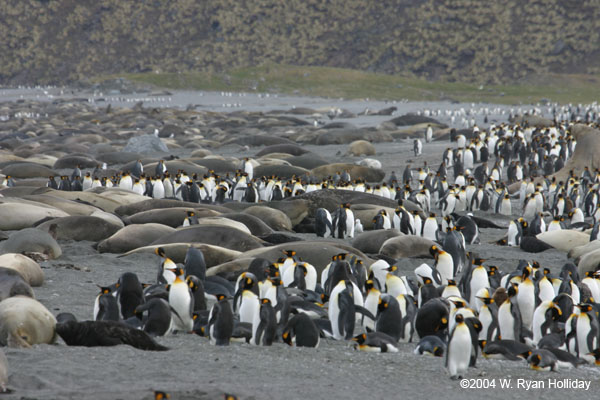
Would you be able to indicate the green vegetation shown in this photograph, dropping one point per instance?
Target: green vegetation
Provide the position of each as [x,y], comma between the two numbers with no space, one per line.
[470,41]
[337,82]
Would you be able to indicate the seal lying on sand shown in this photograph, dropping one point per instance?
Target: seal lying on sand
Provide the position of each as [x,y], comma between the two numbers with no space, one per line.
[25,322]
[105,333]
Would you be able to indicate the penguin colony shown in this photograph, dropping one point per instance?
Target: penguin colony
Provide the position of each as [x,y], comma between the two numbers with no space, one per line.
[454,308]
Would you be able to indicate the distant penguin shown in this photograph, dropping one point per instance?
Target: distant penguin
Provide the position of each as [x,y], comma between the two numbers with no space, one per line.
[264,325]
[431,345]
[323,224]
[197,289]
[246,301]
[106,306]
[458,353]
[509,316]
[220,322]
[181,302]
[389,317]
[376,342]
[526,298]
[543,317]
[430,227]
[165,267]
[469,229]
[343,222]
[587,329]
[158,322]
[301,331]
[130,294]
[417,147]
[194,263]
[429,134]
[542,360]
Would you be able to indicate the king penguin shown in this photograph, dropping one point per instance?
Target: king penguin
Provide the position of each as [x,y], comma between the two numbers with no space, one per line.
[181,302]
[323,224]
[301,331]
[458,354]
[509,316]
[220,322]
[264,325]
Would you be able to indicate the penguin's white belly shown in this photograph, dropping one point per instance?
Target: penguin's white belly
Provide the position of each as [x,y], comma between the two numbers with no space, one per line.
[506,323]
[459,351]
[180,300]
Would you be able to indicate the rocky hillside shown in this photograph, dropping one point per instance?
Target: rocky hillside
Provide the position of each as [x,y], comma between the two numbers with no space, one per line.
[59,41]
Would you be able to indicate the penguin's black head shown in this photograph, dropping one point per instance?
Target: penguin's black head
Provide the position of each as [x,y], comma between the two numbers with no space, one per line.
[360,339]
[272,270]
[221,297]
[289,253]
[160,395]
[287,337]
[369,284]
[451,282]
[512,290]
[584,307]
[160,251]
[229,397]
[433,250]
[191,213]
[459,318]
[534,359]
[383,304]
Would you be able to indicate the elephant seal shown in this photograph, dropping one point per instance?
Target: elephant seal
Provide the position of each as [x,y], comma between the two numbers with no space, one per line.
[355,171]
[256,225]
[213,255]
[172,217]
[231,269]
[564,239]
[370,242]
[361,147]
[133,236]
[332,198]
[24,322]
[221,221]
[80,227]
[289,148]
[407,246]
[30,270]
[275,219]
[72,161]
[13,284]
[23,170]
[31,240]
[580,251]
[105,333]
[317,253]
[588,262]
[152,204]
[224,236]
[71,207]
[16,216]
[307,160]
[366,212]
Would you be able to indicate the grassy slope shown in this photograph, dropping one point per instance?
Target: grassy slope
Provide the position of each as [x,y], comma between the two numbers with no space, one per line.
[337,82]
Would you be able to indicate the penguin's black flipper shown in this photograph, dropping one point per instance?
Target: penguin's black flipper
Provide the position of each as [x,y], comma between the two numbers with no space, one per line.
[364,311]
[105,333]
[347,314]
